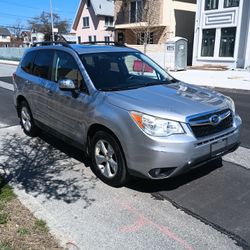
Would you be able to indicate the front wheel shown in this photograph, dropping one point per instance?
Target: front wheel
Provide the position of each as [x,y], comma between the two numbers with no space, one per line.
[26,120]
[107,159]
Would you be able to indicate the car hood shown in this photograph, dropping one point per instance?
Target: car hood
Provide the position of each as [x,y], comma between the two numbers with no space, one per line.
[174,101]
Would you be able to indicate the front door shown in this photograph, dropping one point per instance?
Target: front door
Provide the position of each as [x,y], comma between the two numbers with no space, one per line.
[68,109]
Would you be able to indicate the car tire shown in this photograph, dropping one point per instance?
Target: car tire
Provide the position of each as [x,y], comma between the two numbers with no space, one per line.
[108,162]
[26,120]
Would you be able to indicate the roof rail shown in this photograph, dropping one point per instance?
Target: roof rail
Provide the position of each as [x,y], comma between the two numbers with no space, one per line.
[47,43]
[105,42]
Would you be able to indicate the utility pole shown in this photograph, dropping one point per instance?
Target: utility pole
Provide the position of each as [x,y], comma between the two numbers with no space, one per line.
[52,22]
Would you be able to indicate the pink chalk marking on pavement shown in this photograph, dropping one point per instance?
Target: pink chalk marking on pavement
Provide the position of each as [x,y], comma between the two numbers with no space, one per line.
[142,220]
[136,226]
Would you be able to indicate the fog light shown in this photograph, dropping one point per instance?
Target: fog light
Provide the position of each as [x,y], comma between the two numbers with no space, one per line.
[157,171]
[161,172]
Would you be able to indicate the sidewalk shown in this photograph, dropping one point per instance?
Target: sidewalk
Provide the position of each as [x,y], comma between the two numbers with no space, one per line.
[9,62]
[232,79]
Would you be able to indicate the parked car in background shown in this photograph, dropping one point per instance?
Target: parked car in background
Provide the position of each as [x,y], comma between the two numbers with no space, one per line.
[121,108]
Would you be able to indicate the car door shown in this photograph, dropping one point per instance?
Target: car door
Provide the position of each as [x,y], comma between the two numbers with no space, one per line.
[68,109]
[38,81]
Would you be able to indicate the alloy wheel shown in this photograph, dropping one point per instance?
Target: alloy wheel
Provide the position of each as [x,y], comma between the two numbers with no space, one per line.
[106,159]
[26,119]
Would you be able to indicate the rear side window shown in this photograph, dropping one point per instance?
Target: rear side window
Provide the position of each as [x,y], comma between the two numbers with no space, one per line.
[43,63]
[27,62]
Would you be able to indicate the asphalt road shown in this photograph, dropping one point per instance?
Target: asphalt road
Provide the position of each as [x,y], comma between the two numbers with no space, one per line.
[218,194]
[242,104]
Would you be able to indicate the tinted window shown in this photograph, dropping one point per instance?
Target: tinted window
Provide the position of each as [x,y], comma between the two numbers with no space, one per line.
[65,67]
[123,70]
[27,62]
[231,3]
[211,4]
[42,64]
[208,39]
[227,42]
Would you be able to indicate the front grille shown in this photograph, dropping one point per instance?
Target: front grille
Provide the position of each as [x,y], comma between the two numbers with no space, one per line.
[208,129]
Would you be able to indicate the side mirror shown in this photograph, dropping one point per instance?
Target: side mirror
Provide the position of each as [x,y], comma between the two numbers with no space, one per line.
[66,84]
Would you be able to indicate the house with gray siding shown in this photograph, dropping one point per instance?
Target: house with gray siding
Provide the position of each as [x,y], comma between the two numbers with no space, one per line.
[222,33]
[5,37]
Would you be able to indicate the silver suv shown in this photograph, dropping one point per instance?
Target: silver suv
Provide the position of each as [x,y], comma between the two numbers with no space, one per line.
[126,112]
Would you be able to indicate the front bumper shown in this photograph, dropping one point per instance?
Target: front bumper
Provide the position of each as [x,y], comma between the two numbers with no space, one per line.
[157,158]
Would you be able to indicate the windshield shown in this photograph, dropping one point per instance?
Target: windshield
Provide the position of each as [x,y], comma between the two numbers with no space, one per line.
[112,71]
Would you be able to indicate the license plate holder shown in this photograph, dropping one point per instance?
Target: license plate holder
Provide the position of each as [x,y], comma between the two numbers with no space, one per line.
[218,148]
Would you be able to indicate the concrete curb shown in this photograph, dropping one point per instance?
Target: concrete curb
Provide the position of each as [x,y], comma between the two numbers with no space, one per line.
[9,62]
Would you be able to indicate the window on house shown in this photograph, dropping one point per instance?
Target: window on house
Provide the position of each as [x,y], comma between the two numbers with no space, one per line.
[136,8]
[141,38]
[231,3]
[227,42]
[211,4]
[109,21]
[106,39]
[94,38]
[208,39]
[85,22]
[90,38]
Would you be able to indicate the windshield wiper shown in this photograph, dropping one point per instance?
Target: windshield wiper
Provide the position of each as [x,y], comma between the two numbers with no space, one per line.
[118,88]
[127,87]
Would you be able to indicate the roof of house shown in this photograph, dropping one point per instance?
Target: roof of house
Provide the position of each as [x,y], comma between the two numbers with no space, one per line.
[4,32]
[100,7]
[103,7]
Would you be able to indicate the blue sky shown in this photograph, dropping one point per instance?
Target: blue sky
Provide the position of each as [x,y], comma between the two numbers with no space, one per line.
[13,11]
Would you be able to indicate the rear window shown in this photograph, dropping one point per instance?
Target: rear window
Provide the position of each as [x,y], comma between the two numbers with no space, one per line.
[43,63]
[27,62]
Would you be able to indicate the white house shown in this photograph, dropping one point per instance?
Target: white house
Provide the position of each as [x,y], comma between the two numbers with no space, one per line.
[222,33]
[37,37]
[94,21]
[5,37]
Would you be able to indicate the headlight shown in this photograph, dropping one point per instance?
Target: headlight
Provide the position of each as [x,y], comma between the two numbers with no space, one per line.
[230,103]
[156,126]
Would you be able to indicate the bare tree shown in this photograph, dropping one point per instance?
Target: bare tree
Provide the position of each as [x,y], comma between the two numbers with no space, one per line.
[17,29]
[146,18]
[42,23]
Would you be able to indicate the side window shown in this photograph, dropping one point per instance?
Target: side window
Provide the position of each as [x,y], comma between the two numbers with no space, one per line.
[65,67]
[27,62]
[43,63]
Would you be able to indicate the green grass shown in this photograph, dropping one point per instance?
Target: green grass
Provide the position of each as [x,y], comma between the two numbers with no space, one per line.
[6,195]
[3,218]
[6,192]
[5,246]
[41,226]
[23,231]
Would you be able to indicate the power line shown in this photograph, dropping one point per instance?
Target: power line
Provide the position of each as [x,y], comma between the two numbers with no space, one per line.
[8,14]
[11,26]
